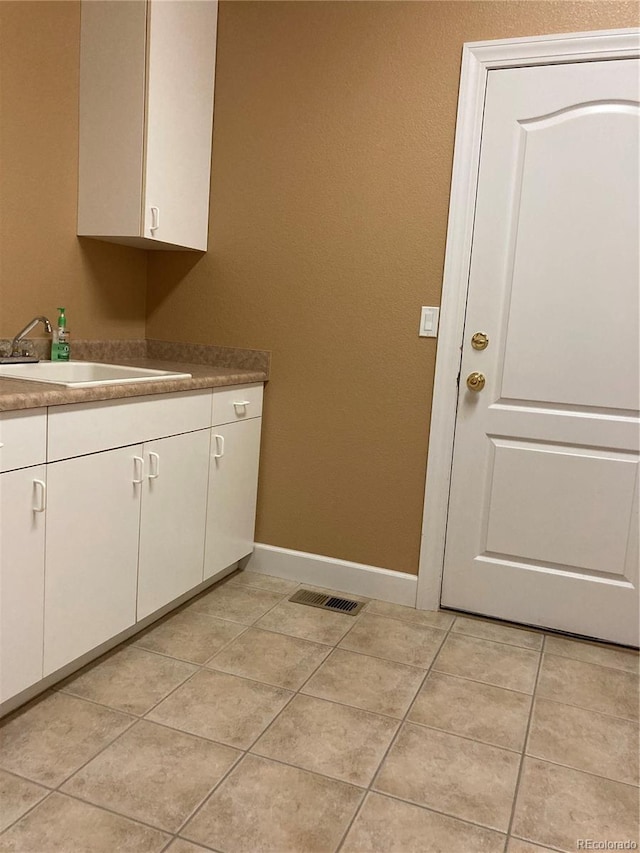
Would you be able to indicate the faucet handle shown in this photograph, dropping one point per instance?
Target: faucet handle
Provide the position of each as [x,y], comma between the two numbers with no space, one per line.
[26,348]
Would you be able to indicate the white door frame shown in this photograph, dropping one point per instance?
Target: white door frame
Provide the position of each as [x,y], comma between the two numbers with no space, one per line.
[478,58]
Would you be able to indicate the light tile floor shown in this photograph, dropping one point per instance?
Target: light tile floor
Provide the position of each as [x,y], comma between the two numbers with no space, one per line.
[246,723]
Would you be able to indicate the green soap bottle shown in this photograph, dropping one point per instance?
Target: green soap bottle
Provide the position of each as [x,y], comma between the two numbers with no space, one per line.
[60,350]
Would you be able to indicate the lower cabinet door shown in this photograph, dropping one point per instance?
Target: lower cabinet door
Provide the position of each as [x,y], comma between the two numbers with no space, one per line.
[22,528]
[91,551]
[172,520]
[233,486]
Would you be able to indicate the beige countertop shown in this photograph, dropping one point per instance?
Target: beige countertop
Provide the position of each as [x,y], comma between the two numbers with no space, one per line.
[17,394]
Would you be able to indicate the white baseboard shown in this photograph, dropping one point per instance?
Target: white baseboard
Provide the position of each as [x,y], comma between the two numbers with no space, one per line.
[341,575]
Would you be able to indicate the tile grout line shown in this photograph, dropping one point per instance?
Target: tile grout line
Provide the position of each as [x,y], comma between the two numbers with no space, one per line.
[29,810]
[523,753]
[52,791]
[134,719]
[111,810]
[432,810]
[593,663]
[635,673]
[589,710]
[546,631]
[580,770]
[194,811]
[606,645]
[465,737]
[401,724]
[464,635]
[477,681]
[222,585]
[186,660]
[535,843]
[593,710]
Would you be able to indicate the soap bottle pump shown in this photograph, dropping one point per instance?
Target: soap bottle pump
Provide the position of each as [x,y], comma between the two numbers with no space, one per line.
[60,345]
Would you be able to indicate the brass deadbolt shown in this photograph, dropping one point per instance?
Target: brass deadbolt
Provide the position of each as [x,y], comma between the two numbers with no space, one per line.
[480,341]
[475,381]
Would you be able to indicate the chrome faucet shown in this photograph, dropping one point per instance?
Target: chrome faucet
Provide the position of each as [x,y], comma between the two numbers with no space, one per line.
[15,343]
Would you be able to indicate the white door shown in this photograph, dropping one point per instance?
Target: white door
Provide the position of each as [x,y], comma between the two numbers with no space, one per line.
[93,517]
[543,512]
[22,521]
[172,520]
[233,487]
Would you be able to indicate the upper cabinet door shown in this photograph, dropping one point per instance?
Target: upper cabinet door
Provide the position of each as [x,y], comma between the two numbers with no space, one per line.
[147,71]
[181,63]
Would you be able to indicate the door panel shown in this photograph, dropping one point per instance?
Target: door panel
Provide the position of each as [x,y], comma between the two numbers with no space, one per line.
[559,516]
[21,578]
[572,268]
[172,519]
[93,517]
[233,486]
[542,522]
[180,75]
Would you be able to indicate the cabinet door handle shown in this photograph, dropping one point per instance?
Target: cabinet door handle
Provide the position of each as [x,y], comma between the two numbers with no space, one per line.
[241,404]
[219,447]
[155,219]
[138,468]
[40,492]
[154,466]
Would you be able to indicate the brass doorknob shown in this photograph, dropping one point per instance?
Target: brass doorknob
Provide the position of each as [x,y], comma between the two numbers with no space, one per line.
[475,381]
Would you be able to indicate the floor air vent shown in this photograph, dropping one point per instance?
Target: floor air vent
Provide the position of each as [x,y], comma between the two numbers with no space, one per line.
[327,602]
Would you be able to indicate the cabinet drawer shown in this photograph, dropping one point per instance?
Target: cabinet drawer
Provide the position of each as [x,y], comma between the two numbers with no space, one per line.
[238,403]
[90,427]
[23,438]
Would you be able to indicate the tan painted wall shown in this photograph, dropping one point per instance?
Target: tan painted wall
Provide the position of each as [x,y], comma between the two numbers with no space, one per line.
[42,262]
[331,167]
[333,144]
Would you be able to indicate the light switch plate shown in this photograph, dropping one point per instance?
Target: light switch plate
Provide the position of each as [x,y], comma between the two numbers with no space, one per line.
[429,317]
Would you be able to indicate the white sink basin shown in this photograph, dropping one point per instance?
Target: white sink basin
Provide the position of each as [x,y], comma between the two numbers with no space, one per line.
[84,374]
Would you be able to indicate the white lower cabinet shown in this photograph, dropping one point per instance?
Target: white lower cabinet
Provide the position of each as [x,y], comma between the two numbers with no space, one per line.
[233,486]
[93,517]
[172,520]
[22,527]
[138,503]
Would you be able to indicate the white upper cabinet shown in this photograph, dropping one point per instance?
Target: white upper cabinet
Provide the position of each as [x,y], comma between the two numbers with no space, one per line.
[147,72]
